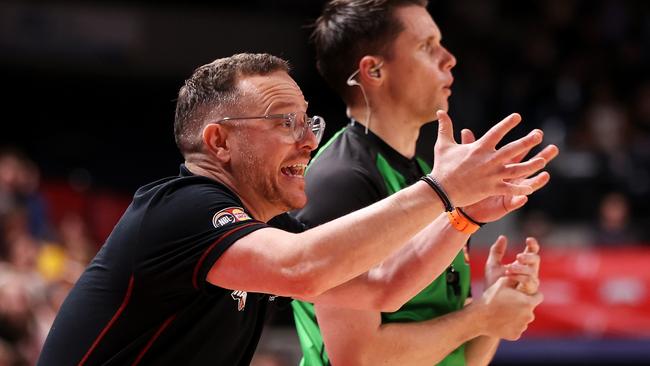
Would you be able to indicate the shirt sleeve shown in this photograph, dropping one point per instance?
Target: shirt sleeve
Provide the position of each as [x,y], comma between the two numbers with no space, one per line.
[185,233]
[287,223]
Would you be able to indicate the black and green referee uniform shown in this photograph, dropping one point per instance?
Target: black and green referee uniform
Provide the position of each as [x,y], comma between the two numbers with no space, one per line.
[352,171]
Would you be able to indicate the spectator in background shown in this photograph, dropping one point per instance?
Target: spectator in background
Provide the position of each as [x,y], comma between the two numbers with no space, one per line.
[65,259]
[614,226]
[35,274]
[22,288]
[19,186]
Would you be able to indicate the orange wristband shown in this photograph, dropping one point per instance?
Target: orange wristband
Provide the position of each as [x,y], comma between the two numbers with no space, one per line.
[461,223]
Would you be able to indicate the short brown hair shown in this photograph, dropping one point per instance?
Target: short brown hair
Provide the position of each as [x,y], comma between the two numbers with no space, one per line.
[350,29]
[214,86]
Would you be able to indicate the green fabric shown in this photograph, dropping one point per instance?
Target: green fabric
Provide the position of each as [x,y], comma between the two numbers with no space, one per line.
[435,300]
[327,144]
[311,341]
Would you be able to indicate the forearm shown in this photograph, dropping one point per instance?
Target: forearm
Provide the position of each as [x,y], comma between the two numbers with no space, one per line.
[389,285]
[480,350]
[342,249]
[417,343]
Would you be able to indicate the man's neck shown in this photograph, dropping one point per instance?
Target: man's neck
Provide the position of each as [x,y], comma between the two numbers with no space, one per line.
[399,132]
[257,210]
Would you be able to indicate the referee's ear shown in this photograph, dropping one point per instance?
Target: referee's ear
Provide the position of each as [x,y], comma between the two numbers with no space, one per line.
[216,143]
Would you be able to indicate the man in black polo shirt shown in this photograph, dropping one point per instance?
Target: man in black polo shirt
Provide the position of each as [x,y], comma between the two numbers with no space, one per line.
[184,277]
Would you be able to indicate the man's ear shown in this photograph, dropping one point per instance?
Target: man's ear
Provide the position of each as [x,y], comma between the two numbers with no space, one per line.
[370,70]
[215,140]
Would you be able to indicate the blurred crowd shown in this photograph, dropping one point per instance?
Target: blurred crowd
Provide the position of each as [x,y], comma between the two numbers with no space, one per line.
[39,259]
[578,70]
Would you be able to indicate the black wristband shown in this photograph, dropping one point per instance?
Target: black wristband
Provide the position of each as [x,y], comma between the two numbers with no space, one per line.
[431,181]
[470,218]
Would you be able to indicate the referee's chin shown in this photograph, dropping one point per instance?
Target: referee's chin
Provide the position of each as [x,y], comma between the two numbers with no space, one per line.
[438,106]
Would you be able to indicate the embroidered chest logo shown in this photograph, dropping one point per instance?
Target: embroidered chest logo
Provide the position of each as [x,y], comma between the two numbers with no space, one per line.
[240,297]
[228,216]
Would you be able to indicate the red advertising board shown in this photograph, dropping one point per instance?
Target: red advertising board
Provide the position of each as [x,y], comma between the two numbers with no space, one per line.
[592,292]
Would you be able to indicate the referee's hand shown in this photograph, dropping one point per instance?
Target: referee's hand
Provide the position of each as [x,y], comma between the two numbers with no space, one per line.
[472,172]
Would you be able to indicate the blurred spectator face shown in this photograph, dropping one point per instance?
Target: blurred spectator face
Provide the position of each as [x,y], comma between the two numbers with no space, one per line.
[28,177]
[614,211]
[419,69]
[9,172]
[18,175]
[607,126]
[23,252]
[15,223]
[15,302]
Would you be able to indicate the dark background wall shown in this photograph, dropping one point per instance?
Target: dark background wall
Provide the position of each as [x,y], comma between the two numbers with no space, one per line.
[89,87]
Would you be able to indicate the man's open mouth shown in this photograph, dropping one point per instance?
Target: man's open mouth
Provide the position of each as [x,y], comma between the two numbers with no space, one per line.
[295,170]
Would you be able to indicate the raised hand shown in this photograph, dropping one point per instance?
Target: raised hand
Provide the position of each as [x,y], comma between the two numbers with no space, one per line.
[475,171]
[508,311]
[523,271]
[495,207]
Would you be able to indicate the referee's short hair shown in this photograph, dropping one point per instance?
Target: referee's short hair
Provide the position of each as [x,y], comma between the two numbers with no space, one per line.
[347,30]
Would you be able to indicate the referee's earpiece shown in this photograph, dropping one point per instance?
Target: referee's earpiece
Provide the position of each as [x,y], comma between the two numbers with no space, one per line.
[351,81]
[374,71]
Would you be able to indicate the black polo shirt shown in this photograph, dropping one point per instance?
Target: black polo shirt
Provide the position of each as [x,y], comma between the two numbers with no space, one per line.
[144,298]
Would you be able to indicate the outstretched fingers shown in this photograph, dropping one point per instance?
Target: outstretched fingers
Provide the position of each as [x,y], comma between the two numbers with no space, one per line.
[522,170]
[548,153]
[445,128]
[497,251]
[511,151]
[498,131]
[467,136]
[538,181]
[532,245]
[513,189]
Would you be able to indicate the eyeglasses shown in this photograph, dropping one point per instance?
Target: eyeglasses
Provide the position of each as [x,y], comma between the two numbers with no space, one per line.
[299,123]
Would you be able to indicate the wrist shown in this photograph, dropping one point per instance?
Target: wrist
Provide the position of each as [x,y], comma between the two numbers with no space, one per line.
[457,218]
[470,217]
[461,223]
[440,191]
[478,316]
[431,201]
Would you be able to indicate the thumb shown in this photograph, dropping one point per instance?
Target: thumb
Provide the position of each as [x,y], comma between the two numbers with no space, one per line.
[514,202]
[532,246]
[467,136]
[497,251]
[445,127]
[537,298]
[506,282]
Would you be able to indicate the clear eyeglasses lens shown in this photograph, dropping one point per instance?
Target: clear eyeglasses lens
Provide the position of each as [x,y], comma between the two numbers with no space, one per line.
[303,122]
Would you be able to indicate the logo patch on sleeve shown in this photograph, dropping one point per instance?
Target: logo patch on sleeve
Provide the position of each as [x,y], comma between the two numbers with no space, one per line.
[229,215]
